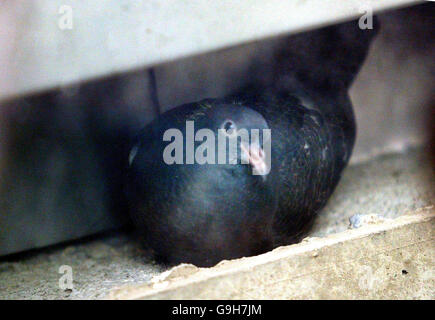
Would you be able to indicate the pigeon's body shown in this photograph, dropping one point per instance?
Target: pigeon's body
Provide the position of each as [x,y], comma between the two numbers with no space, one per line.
[198,213]
[202,214]
[205,213]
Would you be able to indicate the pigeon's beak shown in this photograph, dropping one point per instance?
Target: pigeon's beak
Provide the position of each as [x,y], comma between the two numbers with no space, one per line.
[256,157]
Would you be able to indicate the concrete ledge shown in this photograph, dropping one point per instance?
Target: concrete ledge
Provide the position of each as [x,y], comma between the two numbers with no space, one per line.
[393,259]
[40,51]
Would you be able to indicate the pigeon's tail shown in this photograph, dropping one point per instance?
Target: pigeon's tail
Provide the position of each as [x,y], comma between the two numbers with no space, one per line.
[352,47]
[325,59]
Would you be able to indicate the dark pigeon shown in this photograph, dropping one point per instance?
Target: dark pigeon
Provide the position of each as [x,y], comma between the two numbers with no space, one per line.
[202,214]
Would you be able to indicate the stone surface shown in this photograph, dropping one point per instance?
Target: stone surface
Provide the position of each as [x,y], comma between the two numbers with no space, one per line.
[392,260]
[389,185]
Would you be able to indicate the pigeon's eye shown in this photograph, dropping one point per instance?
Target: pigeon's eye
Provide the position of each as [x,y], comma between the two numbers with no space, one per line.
[229,127]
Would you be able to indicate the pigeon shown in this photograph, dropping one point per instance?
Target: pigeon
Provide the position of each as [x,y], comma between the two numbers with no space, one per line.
[203,213]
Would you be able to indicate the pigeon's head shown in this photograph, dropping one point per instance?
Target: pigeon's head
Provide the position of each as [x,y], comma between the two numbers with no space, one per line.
[245,132]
